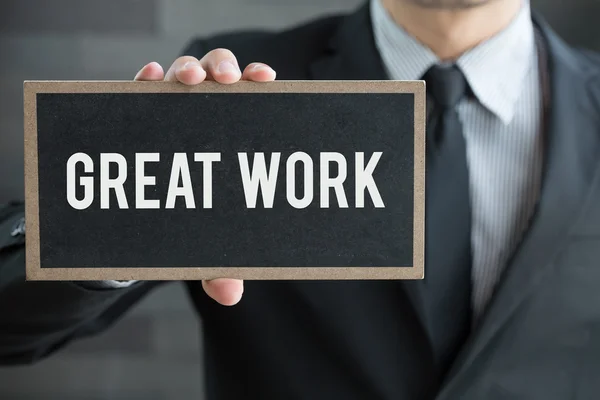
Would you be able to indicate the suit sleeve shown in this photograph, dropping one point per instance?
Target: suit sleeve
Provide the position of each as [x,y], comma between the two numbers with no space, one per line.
[38,318]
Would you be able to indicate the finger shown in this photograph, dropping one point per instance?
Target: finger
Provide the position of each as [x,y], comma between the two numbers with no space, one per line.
[186,70]
[259,72]
[221,66]
[150,72]
[227,292]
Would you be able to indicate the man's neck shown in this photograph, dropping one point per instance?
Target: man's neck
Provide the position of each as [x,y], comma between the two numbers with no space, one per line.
[450,33]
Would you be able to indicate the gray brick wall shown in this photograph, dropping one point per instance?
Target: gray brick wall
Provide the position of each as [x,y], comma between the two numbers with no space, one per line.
[154,352]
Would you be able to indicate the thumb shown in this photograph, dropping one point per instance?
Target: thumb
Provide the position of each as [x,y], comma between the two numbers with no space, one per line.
[227,292]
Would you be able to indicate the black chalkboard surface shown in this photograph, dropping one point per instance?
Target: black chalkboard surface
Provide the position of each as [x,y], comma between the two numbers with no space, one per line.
[281,180]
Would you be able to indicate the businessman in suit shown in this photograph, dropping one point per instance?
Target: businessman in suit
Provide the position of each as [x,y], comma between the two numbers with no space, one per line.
[510,305]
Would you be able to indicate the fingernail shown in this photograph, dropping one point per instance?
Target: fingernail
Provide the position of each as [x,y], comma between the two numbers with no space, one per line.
[258,67]
[226,66]
[189,65]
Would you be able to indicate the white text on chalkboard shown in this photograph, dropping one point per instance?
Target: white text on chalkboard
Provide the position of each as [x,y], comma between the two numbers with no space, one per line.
[253,178]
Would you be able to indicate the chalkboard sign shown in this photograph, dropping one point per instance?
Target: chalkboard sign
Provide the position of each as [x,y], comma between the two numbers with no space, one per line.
[281,180]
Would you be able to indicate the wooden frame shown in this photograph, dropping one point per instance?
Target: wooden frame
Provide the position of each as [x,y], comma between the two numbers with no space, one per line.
[36,272]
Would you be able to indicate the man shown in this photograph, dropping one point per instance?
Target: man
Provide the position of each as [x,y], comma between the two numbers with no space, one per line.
[522,110]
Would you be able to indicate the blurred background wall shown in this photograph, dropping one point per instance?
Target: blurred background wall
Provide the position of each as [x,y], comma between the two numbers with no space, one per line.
[153,353]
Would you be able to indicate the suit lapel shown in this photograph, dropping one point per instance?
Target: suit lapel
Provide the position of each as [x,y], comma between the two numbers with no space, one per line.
[352,55]
[571,158]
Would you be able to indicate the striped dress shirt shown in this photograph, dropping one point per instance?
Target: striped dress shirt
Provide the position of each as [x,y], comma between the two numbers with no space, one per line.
[502,129]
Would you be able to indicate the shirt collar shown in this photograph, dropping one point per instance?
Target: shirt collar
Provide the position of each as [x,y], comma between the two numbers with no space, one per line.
[495,69]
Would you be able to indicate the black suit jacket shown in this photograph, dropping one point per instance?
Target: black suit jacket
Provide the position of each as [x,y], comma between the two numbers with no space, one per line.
[540,338]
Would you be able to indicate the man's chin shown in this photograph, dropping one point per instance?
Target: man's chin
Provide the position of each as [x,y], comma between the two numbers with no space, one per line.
[449,4]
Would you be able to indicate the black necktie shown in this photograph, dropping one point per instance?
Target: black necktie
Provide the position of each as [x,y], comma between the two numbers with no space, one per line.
[447,284]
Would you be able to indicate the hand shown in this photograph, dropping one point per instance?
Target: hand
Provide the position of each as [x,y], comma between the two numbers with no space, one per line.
[218,65]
